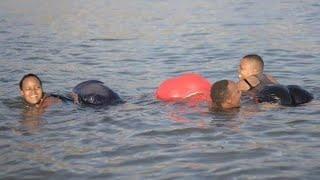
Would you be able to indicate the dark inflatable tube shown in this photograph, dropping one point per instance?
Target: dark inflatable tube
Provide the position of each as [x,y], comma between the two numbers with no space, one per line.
[94,92]
[291,95]
[299,95]
[184,86]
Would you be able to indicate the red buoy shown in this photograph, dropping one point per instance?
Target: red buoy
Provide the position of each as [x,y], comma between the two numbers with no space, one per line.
[186,87]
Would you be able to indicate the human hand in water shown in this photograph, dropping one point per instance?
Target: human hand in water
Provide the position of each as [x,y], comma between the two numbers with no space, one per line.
[253,80]
[243,85]
[247,84]
[75,98]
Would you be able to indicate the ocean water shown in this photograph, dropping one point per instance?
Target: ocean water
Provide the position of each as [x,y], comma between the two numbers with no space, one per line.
[132,46]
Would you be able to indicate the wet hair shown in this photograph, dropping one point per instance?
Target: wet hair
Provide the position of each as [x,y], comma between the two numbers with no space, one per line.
[219,92]
[256,59]
[26,76]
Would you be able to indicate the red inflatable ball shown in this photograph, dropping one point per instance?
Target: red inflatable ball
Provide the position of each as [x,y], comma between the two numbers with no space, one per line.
[187,87]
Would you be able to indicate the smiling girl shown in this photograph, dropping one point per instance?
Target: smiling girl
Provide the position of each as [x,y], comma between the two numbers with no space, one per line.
[32,92]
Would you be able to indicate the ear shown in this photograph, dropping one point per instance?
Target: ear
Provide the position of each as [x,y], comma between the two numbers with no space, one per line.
[229,100]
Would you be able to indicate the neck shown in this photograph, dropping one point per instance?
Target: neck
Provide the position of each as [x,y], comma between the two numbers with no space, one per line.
[226,105]
[220,106]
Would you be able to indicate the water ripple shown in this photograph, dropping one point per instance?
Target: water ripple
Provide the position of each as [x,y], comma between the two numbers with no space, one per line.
[133,47]
[109,39]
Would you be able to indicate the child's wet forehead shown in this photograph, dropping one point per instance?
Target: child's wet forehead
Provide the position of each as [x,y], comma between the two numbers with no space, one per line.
[30,81]
[245,63]
[242,65]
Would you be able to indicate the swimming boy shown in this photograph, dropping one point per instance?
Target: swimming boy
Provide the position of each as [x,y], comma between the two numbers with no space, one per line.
[225,95]
[32,92]
[252,78]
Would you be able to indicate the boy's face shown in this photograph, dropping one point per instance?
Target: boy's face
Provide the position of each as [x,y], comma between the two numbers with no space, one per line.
[246,69]
[31,90]
[235,95]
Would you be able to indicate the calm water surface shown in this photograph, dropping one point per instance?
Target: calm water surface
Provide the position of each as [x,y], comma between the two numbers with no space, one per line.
[132,46]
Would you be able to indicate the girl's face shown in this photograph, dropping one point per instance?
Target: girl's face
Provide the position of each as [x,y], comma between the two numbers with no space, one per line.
[31,90]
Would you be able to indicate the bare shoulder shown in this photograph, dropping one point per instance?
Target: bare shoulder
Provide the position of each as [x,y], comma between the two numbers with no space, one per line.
[270,79]
[49,101]
[53,99]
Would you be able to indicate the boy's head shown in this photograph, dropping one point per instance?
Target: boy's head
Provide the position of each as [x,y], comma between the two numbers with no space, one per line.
[31,89]
[225,94]
[251,64]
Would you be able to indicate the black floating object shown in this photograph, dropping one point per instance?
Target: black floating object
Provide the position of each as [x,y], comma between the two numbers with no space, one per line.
[275,94]
[94,92]
[299,95]
[291,95]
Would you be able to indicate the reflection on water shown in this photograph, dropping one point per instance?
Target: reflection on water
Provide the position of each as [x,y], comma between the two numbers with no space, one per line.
[31,123]
[132,47]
